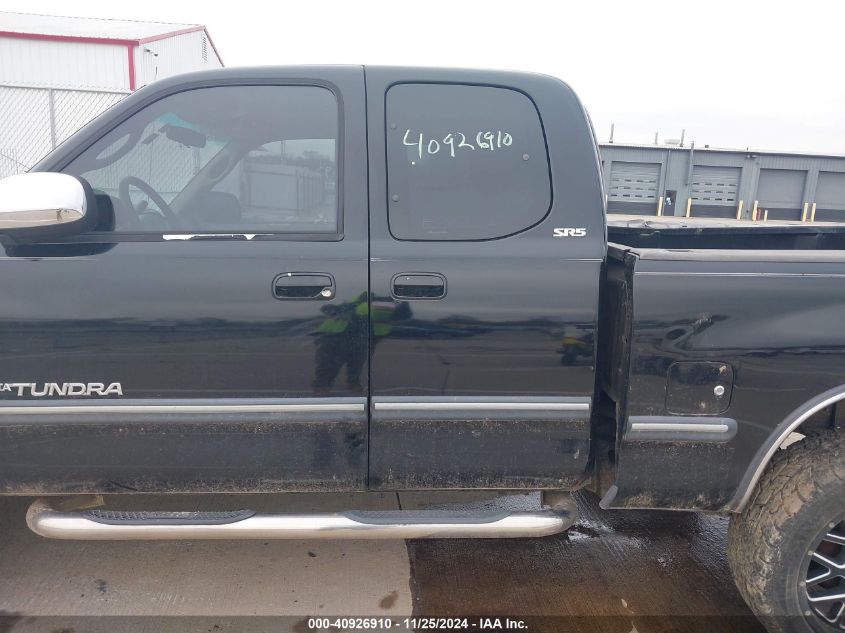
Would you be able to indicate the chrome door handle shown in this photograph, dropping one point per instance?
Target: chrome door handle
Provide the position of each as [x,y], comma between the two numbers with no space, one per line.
[418,286]
[303,286]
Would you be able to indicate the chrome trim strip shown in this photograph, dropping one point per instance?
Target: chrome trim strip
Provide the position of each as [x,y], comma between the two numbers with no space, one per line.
[693,427]
[679,428]
[728,274]
[181,408]
[191,236]
[45,521]
[835,395]
[487,406]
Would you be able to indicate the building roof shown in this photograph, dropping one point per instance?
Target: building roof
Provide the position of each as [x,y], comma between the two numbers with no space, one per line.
[725,150]
[107,31]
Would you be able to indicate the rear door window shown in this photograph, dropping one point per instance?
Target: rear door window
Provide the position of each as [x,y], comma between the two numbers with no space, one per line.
[464,162]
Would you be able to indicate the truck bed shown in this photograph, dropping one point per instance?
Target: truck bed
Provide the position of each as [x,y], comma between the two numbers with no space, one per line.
[754,310]
[674,232]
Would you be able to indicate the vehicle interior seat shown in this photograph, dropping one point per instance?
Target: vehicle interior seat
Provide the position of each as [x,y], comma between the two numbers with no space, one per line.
[213,210]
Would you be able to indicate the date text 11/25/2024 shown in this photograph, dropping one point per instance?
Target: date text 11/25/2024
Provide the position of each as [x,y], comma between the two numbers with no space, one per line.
[416,624]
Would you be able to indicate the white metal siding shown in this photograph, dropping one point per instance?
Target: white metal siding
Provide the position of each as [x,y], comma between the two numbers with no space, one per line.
[44,63]
[173,55]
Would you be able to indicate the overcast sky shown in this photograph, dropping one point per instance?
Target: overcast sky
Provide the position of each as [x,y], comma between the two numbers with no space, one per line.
[766,75]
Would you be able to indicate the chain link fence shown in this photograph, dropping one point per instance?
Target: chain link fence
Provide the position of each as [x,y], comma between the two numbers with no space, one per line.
[33,121]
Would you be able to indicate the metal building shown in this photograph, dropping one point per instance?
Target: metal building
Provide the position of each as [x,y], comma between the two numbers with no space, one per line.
[57,73]
[723,183]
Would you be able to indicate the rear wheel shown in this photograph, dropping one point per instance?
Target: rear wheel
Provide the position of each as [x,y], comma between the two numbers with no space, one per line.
[787,548]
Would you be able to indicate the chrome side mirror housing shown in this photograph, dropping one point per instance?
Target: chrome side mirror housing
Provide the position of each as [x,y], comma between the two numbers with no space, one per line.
[43,205]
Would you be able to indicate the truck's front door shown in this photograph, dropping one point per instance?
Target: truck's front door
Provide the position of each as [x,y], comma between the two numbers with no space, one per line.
[212,334]
[487,240]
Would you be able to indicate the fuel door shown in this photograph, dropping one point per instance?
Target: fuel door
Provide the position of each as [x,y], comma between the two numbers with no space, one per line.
[699,388]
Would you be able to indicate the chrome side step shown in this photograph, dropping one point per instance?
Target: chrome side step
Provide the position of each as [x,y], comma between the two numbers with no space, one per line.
[110,525]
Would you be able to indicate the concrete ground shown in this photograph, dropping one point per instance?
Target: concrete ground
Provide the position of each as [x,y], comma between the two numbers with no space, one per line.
[614,571]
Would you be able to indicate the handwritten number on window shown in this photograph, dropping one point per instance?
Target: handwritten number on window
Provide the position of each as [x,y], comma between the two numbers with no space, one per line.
[484,139]
[464,143]
[449,140]
[418,143]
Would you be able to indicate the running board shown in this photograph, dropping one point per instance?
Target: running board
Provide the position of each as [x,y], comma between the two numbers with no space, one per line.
[117,525]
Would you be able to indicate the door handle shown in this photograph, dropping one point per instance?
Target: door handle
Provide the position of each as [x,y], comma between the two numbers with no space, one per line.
[418,286]
[303,286]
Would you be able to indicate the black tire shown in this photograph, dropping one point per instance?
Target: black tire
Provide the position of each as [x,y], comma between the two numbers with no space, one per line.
[798,500]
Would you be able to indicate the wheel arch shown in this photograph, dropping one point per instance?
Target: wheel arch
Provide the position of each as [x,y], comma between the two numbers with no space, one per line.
[787,426]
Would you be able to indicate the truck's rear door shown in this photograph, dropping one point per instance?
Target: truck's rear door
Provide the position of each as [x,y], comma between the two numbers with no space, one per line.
[487,239]
[212,334]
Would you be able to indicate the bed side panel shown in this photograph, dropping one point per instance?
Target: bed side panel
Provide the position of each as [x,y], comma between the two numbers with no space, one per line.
[777,329]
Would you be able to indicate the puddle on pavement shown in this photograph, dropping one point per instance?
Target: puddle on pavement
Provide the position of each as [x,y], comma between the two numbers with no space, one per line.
[633,570]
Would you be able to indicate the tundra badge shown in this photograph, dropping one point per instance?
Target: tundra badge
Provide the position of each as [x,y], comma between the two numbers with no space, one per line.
[39,390]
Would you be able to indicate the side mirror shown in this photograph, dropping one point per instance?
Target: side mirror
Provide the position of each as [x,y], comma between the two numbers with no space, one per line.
[43,205]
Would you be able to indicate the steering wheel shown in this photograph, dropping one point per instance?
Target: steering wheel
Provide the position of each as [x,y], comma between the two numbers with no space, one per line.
[152,194]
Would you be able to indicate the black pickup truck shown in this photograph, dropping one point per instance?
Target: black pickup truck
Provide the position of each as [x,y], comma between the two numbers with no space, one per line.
[390,279]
